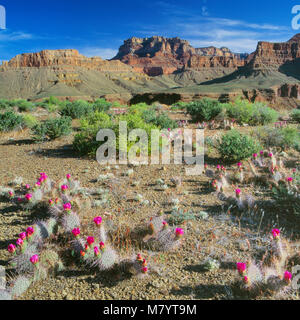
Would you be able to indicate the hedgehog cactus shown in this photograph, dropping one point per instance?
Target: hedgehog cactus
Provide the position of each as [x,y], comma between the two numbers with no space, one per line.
[70,221]
[106,259]
[19,286]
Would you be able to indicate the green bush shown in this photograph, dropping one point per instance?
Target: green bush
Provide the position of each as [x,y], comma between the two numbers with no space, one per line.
[234,146]
[29,120]
[4,104]
[76,109]
[52,129]
[179,105]
[10,121]
[244,111]
[164,122]
[101,105]
[204,110]
[85,141]
[296,115]
[283,138]
[23,105]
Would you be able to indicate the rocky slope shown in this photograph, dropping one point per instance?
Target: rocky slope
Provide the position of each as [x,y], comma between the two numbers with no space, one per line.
[158,55]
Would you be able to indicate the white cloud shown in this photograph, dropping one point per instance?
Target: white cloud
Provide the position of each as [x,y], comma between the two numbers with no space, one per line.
[8,36]
[104,53]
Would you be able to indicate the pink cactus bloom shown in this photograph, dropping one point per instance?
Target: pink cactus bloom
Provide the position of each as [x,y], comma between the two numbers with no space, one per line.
[64,187]
[287,276]
[67,206]
[246,280]
[90,240]
[218,167]
[34,259]
[270,154]
[96,251]
[139,257]
[254,155]
[276,233]
[20,199]
[261,152]
[102,245]
[76,232]
[28,196]
[239,164]
[51,202]
[19,242]
[29,231]
[145,270]
[179,232]
[11,248]
[68,176]
[238,192]
[38,184]
[97,221]
[289,179]
[11,194]
[22,235]
[27,186]
[241,267]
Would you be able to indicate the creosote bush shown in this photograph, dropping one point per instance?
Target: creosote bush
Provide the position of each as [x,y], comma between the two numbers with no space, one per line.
[234,146]
[204,110]
[10,121]
[52,129]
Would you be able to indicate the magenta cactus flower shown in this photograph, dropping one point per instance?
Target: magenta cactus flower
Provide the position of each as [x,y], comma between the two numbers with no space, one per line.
[11,194]
[22,235]
[261,152]
[51,202]
[96,251]
[139,257]
[34,259]
[246,280]
[254,155]
[145,270]
[102,245]
[64,187]
[289,179]
[98,221]
[68,176]
[287,276]
[239,164]
[241,267]
[179,233]
[38,184]
[90,240]
[238,192]
[76,232]
[19,242]
[67,206]
[27,186]
[11,248]
[276,233]
[270,154]
[29,231]
[28,196]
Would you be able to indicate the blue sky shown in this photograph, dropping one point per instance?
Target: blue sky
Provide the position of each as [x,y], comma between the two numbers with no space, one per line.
[98,28]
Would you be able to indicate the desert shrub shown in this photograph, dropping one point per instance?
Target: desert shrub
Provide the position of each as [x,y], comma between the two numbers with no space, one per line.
[164,122]
[101,105]
[52,129]
[85,141]
[179,105]
[149,115]
[10,121]
[282,138]
[29,120]
[204,110]
[251,113]
[295,115]
[76,109]
[234,146]
[139,107]
[23,105]
[287,199]
[4,104]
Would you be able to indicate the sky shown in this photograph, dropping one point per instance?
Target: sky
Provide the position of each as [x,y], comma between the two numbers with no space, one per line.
[98,28]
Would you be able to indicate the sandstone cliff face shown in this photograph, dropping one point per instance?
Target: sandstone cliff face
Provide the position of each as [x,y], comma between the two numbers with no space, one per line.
[273,55]
[64,58]
[158,55]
